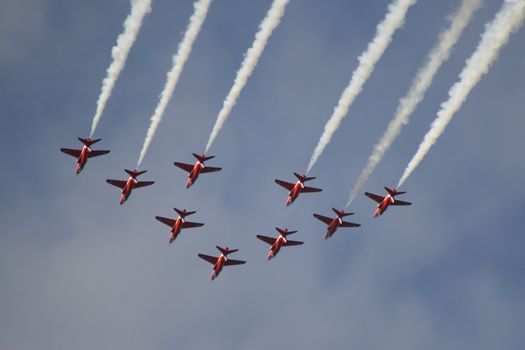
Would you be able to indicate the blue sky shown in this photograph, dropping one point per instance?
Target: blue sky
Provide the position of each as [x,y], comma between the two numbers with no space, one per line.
[77,270]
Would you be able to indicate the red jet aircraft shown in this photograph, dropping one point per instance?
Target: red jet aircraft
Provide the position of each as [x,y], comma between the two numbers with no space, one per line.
[221,261]
[178,224]
[198,168]
[384,202]
[130,184]
[83,154]
[277,243]
[334,223]
[297,188]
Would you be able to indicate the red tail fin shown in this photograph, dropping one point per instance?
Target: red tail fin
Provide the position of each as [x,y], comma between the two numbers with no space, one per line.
[134,172]
[341,213]
[284,232]
[225,251]
[303,178]
[87,141]
[183,213]
[202,158]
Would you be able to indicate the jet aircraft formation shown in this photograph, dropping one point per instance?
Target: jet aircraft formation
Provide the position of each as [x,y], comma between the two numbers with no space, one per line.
[194,170]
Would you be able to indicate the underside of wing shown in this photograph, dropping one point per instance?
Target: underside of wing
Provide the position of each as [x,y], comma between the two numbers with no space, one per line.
[292,243]
[169,222]
[209,169]
[210,259]
[310,190]
[72,152]
[374,197]
[143,184]
[285,184]
[269,240]
[324,219]
[230,262]
[349,224]
[188,224]
[186,167]
[118,183]
[96,153]
[398,202]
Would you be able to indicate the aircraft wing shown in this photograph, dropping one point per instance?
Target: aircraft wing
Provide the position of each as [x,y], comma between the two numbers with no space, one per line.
[398,202]
[269,240]
[324,219]
[169,222]
[118,183]
[210,259]
[188,224]
[233,262]
[96,153]
[143,184]
[310,190]
[72,152]
[209,169]
[375,197]
[186,167]
[349,224]
[292,243]
[285,184]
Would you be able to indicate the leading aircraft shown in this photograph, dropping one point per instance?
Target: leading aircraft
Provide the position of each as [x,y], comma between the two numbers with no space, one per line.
[179,223]
[334,223]
[83,154]
[221,261]
[384,202]
[197,168]
[297,188]
[130,184]
[277,243]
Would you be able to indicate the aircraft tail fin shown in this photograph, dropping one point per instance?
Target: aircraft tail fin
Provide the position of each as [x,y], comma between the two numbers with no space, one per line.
[303,178]
[202,158]
[183,212]
[393,192]
[226,250]
[88,142]
[135,172]
[341,213]
[285,232]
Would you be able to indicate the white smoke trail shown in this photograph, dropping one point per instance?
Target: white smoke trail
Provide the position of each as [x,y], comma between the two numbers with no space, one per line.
[179,59]
[394,18]
[421,82]
[119,53]
[496,34]
[270,22]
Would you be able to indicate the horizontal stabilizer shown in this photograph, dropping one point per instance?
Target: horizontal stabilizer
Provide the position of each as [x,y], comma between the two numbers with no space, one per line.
[226,251]
[183,213]
[134,173]
[202,157]
[304,178]
[88,142]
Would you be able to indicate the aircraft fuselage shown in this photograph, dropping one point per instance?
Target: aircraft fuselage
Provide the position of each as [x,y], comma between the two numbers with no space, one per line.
[383,206]
[82,158]
[194,174]
[177,227]
[217,268]
[294,193]
[126,191]
[276,247]
[333,227]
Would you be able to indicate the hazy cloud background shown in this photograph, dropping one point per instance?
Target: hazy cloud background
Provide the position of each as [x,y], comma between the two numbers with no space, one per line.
[79,271]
